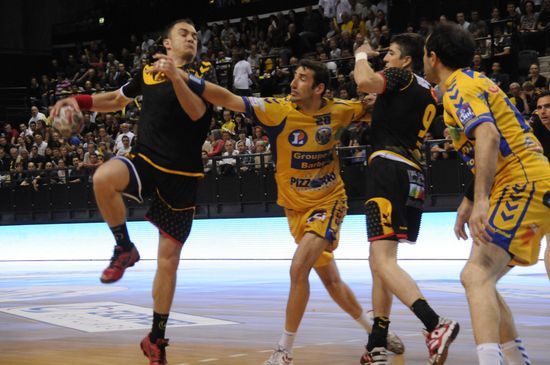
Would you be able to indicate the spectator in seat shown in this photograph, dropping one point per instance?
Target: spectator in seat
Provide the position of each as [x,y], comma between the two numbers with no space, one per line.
[518,98]
[36,158]
[245,162]
[535,77]
[242,74]
[501,79]
[264,160]
[36,115]
[227,164]
[461,20]
[477,27]
[126,148]
[217,143]
[40,144]
[124,131]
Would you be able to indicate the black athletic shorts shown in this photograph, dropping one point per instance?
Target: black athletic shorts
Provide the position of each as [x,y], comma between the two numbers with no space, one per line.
[173,196]
[395,199]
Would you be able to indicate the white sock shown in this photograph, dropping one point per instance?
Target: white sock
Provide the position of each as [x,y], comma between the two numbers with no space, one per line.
[287,341]
[489,354]
[515,353]
[364,322]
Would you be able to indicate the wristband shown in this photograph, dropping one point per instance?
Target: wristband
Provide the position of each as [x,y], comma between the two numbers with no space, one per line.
[196,84]
[85,102]
[361,56]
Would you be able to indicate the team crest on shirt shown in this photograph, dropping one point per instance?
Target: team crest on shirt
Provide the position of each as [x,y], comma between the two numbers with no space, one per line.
[323,135]
[297,138]
[317,215]
[494,89]
[465,113]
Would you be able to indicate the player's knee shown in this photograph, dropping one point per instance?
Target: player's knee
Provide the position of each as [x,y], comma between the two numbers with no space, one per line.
[299,271]
[472,276]
[102,181]
[168,264]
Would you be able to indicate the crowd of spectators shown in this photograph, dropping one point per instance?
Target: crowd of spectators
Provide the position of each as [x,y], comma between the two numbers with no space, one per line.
[253,56]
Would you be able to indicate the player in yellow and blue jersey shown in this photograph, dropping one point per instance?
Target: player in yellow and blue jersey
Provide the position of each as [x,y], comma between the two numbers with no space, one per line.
[508,207]
[302,129]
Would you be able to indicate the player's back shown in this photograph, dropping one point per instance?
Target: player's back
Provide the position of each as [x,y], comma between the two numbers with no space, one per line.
[472,99]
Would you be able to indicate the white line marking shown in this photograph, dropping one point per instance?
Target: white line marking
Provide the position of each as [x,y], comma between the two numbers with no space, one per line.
[238,355]
[324,343]
[209,360]
[268,350]
[299,347]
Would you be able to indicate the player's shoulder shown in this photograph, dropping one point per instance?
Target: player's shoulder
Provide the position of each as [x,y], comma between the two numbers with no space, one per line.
[270,102]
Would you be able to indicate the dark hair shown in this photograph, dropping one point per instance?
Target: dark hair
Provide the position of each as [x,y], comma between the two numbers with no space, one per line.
[168,29]
[543,94]
[412,45]
[320,72]
[452,44]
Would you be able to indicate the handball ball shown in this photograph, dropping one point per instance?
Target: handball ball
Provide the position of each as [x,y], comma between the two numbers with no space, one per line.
[68,121]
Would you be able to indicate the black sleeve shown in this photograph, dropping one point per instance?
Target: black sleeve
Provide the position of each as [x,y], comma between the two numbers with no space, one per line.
[396,79]
[132,89]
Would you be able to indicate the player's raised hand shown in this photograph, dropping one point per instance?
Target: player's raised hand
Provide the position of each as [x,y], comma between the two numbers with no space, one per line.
[462,217]
[366,48]
[164,65]
[61,103]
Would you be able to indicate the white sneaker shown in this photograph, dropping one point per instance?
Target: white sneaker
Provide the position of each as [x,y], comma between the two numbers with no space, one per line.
[279,356]
[378,356]
[395,344]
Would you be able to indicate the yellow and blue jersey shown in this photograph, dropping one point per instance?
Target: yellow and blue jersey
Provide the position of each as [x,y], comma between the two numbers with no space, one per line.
[471,99]
[302,146]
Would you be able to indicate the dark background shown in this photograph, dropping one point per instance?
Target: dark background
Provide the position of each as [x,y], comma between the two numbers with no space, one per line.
[31,29]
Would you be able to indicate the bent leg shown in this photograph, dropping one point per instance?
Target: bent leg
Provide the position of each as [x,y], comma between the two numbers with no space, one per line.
[309,250]
[485,266]
[109,182]
[339,291]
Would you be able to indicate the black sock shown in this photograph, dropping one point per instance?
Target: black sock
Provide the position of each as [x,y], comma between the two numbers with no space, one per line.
[426,314]
[379,334]
[121,237]
[159,326]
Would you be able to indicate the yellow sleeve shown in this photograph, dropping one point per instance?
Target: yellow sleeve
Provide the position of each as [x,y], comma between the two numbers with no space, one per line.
[268,111]
[467,104]
[348,111]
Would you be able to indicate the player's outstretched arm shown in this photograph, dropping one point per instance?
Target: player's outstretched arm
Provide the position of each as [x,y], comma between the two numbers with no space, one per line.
[366,79]
[215,94]
[105,102]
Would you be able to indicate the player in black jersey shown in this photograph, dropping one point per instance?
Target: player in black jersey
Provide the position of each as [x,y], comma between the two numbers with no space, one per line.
[404,109]
[165,165]
[541,129]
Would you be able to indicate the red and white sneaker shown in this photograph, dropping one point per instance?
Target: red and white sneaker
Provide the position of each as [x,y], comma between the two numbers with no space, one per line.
[120,261]
[279,357]
[155,352]
[439,340]
[378,356]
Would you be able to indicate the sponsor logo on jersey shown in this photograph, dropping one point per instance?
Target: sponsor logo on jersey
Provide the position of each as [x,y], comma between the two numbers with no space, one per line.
[323,135]
[322,119]
[297,138]
[154,78]
[315,183]
[317,215]
[494,89]
[465,113]
[310,160]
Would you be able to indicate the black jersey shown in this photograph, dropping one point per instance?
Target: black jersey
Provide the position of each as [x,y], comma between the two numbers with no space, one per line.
[168,139]
[402,115]
[542,133]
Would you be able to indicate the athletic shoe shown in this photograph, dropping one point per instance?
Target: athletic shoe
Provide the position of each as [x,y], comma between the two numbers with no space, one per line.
[395,344]
[378,356]
[439,340]
[120,261]
[155,352]
[279,357]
